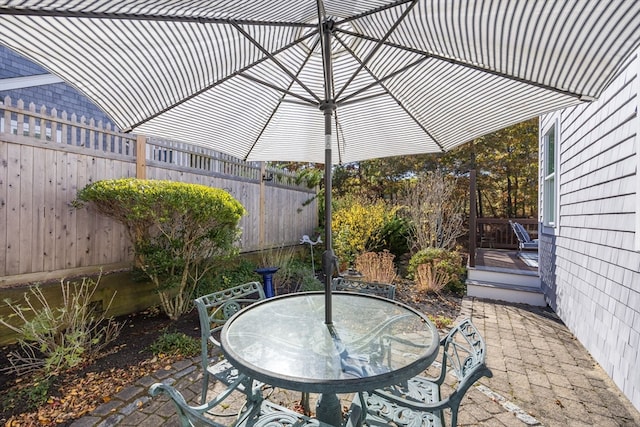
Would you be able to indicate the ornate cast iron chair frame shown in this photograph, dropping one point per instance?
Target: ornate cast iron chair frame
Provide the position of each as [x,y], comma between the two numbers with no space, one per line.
[380,289]
[256,412]
[419,401]
[213,311]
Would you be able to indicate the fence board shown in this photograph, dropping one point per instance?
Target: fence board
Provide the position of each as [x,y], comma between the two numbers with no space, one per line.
[83,217]
[50,211]
[13,211]
[60,252]
[4,204]
[37,192]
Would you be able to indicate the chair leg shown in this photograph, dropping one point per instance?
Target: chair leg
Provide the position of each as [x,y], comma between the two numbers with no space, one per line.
[304,402]
[205,387]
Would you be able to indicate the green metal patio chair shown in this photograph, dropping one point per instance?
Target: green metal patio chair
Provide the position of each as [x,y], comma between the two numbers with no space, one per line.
[420,401]
[255,412]
[213,311]
[380,289]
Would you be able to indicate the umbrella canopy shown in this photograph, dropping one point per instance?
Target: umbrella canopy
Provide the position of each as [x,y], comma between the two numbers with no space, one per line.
[326,81]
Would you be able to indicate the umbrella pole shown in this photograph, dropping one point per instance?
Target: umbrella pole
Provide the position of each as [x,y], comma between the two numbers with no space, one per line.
[329,260]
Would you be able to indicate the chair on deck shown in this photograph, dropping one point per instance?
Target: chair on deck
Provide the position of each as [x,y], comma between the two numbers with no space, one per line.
[255,412]
[420,401]
[380,289]
[524,240]
[214,310]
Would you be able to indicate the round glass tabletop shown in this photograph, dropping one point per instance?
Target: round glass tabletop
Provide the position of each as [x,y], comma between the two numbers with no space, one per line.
[372,342]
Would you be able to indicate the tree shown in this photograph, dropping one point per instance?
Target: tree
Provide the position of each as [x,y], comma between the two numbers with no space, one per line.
[178,230]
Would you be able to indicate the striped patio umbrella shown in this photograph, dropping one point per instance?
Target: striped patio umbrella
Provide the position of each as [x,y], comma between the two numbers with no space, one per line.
[326,81]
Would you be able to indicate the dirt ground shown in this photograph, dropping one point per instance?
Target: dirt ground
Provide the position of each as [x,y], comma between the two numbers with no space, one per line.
[77,392]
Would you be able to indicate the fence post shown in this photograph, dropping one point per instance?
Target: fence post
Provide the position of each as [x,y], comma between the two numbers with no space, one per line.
[262,216]
[141,157]
[472,218]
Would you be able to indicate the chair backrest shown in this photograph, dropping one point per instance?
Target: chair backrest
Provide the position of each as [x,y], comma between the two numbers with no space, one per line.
[216,308]
[465,352]
[521,233]
[380,289]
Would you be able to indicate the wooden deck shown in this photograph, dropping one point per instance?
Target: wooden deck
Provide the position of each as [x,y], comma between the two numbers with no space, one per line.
[500,258]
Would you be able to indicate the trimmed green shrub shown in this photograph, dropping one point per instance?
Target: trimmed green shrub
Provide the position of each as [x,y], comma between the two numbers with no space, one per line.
[178,230]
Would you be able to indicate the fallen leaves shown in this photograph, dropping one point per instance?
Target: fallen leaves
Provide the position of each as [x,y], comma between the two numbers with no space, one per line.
[78,396]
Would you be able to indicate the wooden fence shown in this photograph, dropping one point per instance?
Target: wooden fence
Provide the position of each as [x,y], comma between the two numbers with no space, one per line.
[45,158]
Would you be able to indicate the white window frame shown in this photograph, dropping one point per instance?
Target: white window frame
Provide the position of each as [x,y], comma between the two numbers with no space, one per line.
[550,178]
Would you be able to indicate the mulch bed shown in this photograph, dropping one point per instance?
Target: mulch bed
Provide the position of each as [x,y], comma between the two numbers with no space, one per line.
[76,393]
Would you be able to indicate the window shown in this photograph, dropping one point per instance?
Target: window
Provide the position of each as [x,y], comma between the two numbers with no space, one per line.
[550,148]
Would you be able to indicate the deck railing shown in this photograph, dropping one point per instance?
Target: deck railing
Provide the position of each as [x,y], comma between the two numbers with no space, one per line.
[497,232]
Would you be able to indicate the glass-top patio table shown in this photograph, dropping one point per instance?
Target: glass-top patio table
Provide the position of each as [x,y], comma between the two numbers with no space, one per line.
[373,342]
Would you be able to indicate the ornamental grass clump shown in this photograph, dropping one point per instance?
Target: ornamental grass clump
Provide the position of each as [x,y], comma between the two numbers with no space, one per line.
[376,266]
[179,231]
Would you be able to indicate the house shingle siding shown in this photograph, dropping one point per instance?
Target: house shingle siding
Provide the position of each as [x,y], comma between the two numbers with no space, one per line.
[589,267]
[59,95]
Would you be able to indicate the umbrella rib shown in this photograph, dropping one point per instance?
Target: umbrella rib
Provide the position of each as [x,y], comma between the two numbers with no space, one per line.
[344,100]
[201,91]
[280,101]
[379,44]
[392,96]
[273,58]
[279,89]
[466,65]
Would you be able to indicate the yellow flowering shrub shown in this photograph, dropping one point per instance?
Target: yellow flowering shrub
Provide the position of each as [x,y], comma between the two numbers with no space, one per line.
[357,227]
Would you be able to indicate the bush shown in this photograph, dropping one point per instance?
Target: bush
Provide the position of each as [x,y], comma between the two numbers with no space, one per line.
[394,236]
[225,275]
[178,230]
[58,338]
[357,227]
[295,275]
[175,344]
[439,264]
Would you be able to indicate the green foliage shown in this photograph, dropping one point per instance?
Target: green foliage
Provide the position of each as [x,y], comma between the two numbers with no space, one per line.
[226,275]
[175,344]
[358,226]
[312,176]
[393,236]
[440,321]
[299,277]
[178,230]
[506,161]
[441,259]
[34,394]
[58,338]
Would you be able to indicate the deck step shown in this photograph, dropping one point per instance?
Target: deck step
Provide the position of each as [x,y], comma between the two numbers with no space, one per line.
[503,275]
[531,295]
